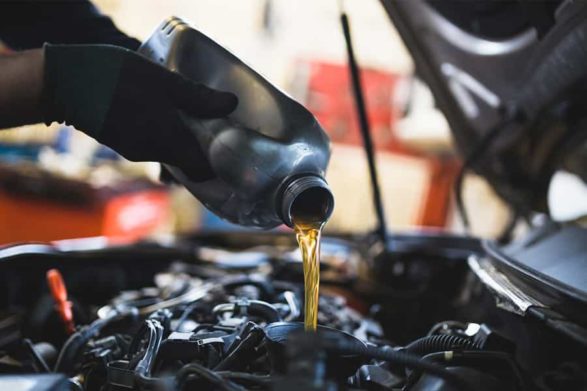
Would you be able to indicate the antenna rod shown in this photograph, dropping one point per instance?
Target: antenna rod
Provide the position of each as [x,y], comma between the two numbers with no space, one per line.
[381,230]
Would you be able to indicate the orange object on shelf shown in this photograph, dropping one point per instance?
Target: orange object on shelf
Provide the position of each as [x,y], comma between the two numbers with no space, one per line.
[41,208]
[128,216]
[59,294]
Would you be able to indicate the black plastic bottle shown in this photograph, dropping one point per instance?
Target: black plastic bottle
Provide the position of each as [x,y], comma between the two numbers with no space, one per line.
[269,156]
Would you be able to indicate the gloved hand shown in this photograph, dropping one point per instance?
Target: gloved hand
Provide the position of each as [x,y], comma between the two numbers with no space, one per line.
[130,104]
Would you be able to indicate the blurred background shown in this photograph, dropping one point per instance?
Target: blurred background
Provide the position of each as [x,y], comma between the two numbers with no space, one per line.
[56,183]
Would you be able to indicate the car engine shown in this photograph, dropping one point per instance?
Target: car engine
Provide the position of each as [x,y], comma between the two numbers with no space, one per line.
[225,312]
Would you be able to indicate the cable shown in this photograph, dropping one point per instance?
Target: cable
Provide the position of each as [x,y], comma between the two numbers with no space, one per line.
[465,357]
[185,314]
[155,330]
[40,363]
[240,353]
[440,343]
[71,348]
[262,380]
[476,153]
[258,308]
[506,234]
[398,357]
[207,374]
[134,345]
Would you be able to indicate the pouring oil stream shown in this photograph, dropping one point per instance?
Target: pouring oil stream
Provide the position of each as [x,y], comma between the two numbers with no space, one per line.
[308,237]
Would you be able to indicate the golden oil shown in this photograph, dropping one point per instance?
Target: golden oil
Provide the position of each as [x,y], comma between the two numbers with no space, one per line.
[308,236]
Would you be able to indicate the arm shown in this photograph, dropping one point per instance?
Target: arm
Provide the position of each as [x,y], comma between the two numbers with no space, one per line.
[114,95]
[29,24]
[21,83]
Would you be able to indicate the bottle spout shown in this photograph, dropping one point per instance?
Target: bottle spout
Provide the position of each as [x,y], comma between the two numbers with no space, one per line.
[307,198]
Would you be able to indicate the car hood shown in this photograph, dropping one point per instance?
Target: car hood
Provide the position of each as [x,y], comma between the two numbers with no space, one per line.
[510,77]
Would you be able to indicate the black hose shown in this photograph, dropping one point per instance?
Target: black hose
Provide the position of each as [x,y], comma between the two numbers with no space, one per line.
[261,380]
[258,308]
[164,316]
[405,359]
[507,232]
[72,347]
[440,343]
[135,343]
[39,362]
[264,310]
[188,310]
[242,354]
[207,374]
[155,329]
[467,358]
[475,153]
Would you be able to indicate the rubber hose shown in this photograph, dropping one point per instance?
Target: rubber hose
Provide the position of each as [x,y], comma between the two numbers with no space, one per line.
[265,310]
[254,307]
[242,353]
[72,347]
[397,357]
[440,343]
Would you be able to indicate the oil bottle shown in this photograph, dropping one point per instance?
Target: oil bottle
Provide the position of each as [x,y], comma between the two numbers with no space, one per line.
[269,156]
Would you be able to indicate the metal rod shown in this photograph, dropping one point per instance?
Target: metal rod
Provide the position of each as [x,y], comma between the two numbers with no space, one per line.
[381,230]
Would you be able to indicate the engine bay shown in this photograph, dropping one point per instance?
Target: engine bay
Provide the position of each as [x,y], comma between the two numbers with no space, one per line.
[226,312]
[415,311]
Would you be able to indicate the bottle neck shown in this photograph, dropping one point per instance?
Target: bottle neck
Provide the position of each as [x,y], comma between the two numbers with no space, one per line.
[306,198]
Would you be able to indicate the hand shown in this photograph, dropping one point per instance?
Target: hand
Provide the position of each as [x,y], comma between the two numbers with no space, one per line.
[130,104]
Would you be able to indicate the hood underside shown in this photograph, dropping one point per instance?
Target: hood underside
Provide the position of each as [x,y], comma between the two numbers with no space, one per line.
[510,76]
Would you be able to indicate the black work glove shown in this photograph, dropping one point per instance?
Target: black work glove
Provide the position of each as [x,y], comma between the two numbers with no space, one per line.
[130,104]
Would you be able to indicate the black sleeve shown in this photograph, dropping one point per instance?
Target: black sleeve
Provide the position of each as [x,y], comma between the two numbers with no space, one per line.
[29,24]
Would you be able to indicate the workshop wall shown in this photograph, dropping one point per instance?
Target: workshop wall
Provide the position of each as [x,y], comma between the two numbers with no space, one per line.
[269,35]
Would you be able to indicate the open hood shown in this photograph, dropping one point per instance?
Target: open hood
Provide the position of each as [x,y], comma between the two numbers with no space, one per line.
[510,78]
